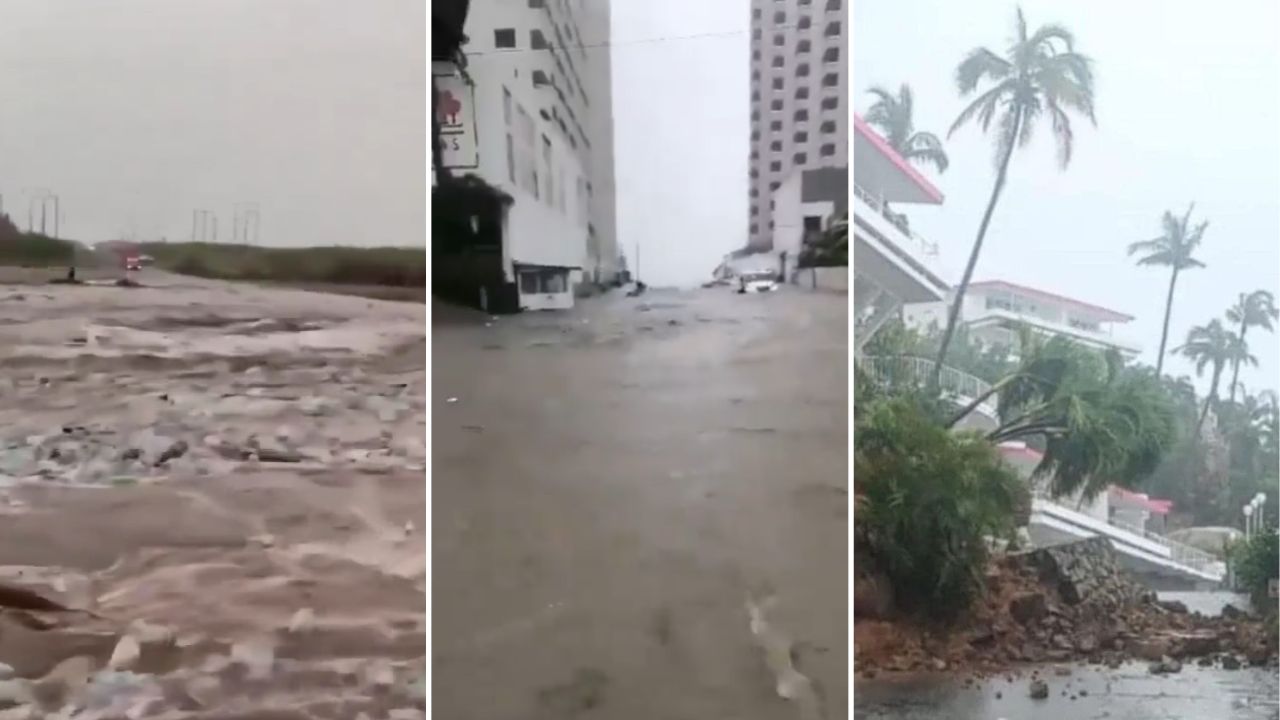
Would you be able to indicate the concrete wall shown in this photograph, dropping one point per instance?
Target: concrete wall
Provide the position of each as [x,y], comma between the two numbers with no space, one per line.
[831,279]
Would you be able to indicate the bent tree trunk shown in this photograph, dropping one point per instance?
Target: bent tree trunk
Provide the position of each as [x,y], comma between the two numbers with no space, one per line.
[1164,331]
[954,315]
[1213,395]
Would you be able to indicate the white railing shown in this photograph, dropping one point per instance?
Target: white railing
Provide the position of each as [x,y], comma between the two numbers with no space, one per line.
[898,220]
[912,370]
[1180,553]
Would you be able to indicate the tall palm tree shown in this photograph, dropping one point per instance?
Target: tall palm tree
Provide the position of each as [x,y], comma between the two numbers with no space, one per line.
[1255,309]
[1173,249]
[894,116]
[1041,73]
[1214,345]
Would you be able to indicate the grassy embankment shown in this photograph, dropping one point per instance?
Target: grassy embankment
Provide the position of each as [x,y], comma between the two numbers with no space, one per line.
[390,273]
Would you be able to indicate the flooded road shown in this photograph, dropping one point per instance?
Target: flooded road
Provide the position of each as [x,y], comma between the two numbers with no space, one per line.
[610,487]
[1129,693]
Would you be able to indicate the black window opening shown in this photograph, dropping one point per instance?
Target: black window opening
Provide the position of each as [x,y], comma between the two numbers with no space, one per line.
[805,22]
[775,105]
[833,4]
[755,115]
[755,134]
[802,115]
[801,137]
[774,185]
[779,40]
[804,46]
[775,126]
[755,55]
[504,38]
[831,54]
[780,17]
[830,80]
[828,150]
[754,211]
[753,173]
[755,193]
[755,96]
[773,204]
[770,224]
[755,228]
[537,40]
[775,166]
[802,93]
[756,14]
[778,61]
[776,146]
[756,34]
[755,154]
[828,127]
[755,74]
[802,70]
[777,83]
[833,28]
[536,4]
[799,158]
[830,103]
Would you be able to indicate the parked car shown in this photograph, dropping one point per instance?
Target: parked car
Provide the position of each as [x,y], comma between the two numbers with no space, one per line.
[757,282]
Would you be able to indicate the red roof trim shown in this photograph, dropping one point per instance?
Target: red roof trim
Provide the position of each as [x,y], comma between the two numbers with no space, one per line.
[1159,507]
[1108,313]
[883,146]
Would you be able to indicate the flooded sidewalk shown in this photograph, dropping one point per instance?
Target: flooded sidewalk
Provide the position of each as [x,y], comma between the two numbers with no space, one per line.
[611,486]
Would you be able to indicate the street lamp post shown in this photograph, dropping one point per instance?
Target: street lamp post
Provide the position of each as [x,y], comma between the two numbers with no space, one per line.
[1248,512]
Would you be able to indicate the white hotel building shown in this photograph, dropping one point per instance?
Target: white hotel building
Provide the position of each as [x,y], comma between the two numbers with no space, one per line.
[541,74]
[994,309]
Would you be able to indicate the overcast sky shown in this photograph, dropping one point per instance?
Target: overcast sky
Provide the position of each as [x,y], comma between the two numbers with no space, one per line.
[681,124]
[1188,105]
[135,112]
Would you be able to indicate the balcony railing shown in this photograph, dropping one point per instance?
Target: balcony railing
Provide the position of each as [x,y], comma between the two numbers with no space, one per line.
[898,220]
[911,370]
[1180,553]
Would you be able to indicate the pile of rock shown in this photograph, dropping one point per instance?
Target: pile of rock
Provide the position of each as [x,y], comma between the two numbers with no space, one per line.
[1074,602]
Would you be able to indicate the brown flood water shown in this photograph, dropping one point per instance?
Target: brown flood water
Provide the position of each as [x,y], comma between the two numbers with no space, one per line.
[612,484]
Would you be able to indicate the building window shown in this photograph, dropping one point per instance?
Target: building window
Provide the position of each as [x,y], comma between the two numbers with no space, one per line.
[775,105]
[833,29]
[803,47]
[775,126]
[828,150]
[547,166]
[755,34]
[777,83]
[802,115]
[754,211]
[779,40]
[537,41]
[828,127]
[755,116]
[755,135]
[804,23]
[755,96]
[780,17]
[775,166]
[754,228]
[832,54]
[504,38]
[802,70]
[755,193]
[799,158]
[756,14]
[830,80]
[770,224]
[777,61]
[755,55]
[773,204]
[833,4]
[776,146]
[801,137]
[536,4]
[830,103]
[755,74]
[774,185]
[755,154]
[805,3]
[753,173]
[802,93]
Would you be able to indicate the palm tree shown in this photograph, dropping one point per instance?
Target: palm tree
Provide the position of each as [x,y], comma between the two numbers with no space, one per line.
[893,115]
[1040,73]
[1215,345]
[1255,309]
[1173,249]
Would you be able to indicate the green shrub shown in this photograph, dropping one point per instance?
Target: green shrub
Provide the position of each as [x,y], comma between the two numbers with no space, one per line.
[1257,562]
[926,500]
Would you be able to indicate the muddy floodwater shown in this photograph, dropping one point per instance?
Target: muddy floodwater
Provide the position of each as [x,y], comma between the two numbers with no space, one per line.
[1087,693]
[612,484]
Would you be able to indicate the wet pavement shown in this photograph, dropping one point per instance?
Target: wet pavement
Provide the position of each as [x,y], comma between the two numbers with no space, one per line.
[610,487]
[1129,693]
[1088,693]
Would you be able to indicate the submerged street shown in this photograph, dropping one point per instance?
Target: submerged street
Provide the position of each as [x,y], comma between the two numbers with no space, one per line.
[613,485]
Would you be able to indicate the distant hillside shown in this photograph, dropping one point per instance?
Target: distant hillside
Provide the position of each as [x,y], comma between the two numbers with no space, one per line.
[23,249]
[385,266]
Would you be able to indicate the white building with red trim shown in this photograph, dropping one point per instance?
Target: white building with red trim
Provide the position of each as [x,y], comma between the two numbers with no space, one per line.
[993,310]
[893,266]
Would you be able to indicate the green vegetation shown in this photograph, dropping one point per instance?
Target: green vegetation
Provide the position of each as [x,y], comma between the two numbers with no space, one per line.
[1257,562]
[926,499]
[1255,309]
[384,266]
[830,248]
[1173,249]
[23,249]
[894,116]
[1213,345]
[1040,74]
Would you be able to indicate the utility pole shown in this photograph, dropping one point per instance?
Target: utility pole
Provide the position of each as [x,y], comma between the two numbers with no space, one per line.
[57,213]
[43,205]
[215,228]
[194,214]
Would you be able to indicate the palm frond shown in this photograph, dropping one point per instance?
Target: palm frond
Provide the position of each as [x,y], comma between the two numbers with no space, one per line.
[926,147]
[981,64]
[983,107]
